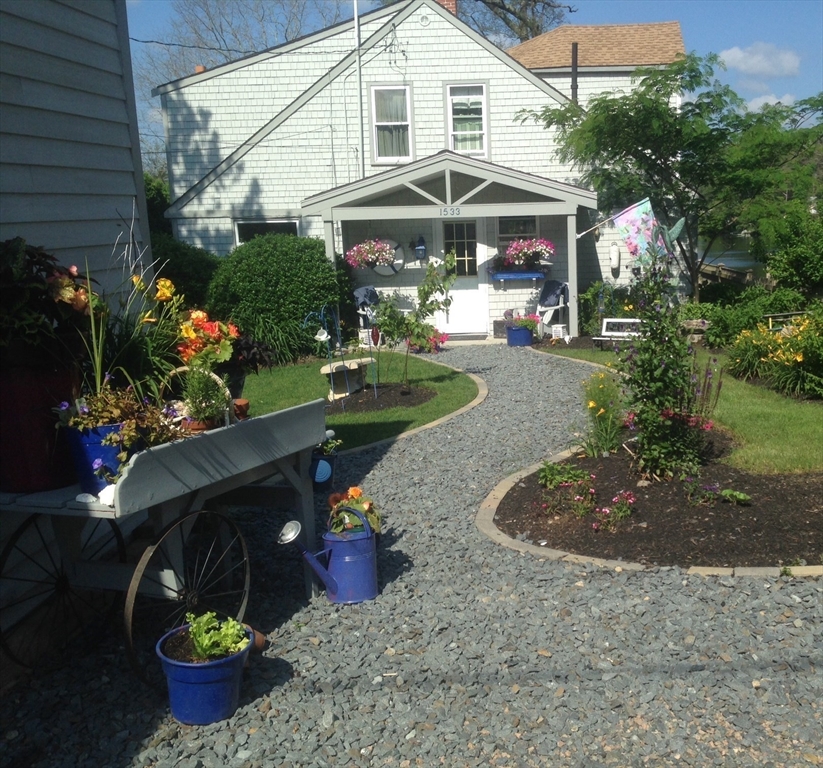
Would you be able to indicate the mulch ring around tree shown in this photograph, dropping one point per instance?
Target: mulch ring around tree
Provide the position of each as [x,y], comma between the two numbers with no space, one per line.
[782,526]
[386,396]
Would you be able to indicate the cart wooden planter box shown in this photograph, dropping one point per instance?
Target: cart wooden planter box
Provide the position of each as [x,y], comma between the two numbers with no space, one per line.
[59,540]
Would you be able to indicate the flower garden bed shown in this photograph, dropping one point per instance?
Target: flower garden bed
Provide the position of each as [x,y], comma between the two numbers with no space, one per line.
[780,527]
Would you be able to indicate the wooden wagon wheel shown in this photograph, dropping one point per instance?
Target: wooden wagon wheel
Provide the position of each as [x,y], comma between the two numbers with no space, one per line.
[46,618]
[199,563]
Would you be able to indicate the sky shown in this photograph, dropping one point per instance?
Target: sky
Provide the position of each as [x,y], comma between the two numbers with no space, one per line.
[773,49]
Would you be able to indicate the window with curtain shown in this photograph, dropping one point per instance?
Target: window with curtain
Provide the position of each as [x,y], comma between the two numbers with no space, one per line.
[467,119]
[514,228]
[392,126]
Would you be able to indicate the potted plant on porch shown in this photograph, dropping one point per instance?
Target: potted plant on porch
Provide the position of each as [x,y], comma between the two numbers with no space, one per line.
[203,662]
[520,329]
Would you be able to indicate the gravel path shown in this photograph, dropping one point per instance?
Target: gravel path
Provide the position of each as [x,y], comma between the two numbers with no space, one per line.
[472,654]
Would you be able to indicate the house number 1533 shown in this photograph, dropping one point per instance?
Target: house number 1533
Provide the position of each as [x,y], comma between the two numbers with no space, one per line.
[450,211]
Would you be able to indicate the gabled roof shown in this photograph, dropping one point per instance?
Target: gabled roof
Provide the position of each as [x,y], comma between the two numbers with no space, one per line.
[447,179]
[607,45]
[338,69]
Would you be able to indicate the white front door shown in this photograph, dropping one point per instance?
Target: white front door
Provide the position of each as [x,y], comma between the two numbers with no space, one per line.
[468,312]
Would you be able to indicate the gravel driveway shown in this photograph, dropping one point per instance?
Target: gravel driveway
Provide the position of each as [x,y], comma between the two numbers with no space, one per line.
[472,654]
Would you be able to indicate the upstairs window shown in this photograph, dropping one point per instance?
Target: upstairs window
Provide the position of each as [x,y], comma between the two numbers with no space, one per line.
[391,112]
[467,119]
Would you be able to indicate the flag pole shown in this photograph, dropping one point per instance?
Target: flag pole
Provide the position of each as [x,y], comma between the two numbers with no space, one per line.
[611,218]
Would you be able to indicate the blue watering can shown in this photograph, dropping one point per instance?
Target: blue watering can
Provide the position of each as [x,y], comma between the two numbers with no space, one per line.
[350,575]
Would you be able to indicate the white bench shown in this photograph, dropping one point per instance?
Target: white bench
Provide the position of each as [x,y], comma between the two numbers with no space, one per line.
[616,329]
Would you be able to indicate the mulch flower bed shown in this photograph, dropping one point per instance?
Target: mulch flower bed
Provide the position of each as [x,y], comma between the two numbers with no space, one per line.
[782,526]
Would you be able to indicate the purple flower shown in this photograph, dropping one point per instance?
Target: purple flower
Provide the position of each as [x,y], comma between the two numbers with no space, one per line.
[84,409]
[97,464]
[64,406]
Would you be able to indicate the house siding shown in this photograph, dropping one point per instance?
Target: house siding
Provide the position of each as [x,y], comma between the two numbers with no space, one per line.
[70,169]
[314,145]
[276,176]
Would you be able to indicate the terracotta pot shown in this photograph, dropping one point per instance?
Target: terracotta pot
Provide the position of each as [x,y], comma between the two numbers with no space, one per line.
[195,427]
[241,409]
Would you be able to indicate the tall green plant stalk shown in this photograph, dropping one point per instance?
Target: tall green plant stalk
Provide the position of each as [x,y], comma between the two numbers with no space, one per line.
[432,296]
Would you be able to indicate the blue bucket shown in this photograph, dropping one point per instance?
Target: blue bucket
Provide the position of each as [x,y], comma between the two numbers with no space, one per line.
[206,692]
[352,561]
[86,446]
[517,336]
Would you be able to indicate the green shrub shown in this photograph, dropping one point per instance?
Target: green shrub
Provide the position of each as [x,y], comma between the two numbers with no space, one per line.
[190,268]
[616,302]
[789,361]
[157,201]
[748,310]
[270,285]
[797,262]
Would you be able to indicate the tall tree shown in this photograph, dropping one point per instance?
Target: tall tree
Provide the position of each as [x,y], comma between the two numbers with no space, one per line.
[685,141]
[507,22]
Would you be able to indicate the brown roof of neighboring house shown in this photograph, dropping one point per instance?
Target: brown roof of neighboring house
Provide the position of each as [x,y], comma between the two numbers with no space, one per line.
[607,45]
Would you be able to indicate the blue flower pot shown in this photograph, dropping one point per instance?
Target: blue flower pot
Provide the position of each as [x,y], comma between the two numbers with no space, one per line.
[517,336]
[321,471]
[204,692]
[86,446]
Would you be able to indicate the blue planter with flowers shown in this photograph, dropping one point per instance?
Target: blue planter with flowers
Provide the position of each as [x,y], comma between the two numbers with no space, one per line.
[93,461]
[518,336]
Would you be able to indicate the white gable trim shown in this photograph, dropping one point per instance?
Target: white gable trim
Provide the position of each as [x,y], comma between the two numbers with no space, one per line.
[446,162]
[347,61]
[275,52]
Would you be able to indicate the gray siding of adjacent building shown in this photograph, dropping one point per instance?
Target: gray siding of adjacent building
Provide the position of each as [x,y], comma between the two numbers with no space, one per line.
[70,169]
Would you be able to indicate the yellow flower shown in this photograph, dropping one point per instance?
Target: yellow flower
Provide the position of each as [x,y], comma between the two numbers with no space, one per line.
[138,282]
[165,289]
[799,357]
[187,331]
[592,404]
[601,411]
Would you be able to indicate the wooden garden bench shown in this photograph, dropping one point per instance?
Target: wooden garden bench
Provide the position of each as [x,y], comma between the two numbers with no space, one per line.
[616,329]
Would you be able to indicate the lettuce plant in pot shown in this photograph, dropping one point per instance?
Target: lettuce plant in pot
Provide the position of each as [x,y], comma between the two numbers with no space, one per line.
[203,662]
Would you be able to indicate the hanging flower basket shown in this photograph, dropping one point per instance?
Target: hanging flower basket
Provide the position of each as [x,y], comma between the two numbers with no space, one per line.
[371,253]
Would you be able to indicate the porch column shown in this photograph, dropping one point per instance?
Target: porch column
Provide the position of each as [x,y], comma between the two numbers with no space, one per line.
[571,239]
[328,235]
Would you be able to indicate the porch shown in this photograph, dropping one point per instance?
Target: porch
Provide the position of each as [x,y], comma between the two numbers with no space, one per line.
[451,202]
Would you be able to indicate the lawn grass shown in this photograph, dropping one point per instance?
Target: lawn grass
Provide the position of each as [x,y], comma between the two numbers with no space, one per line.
[291,385]
[775,434]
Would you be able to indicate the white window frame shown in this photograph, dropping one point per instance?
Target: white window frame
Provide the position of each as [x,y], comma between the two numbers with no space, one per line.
[485,118]
[376,158]
[238,222]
